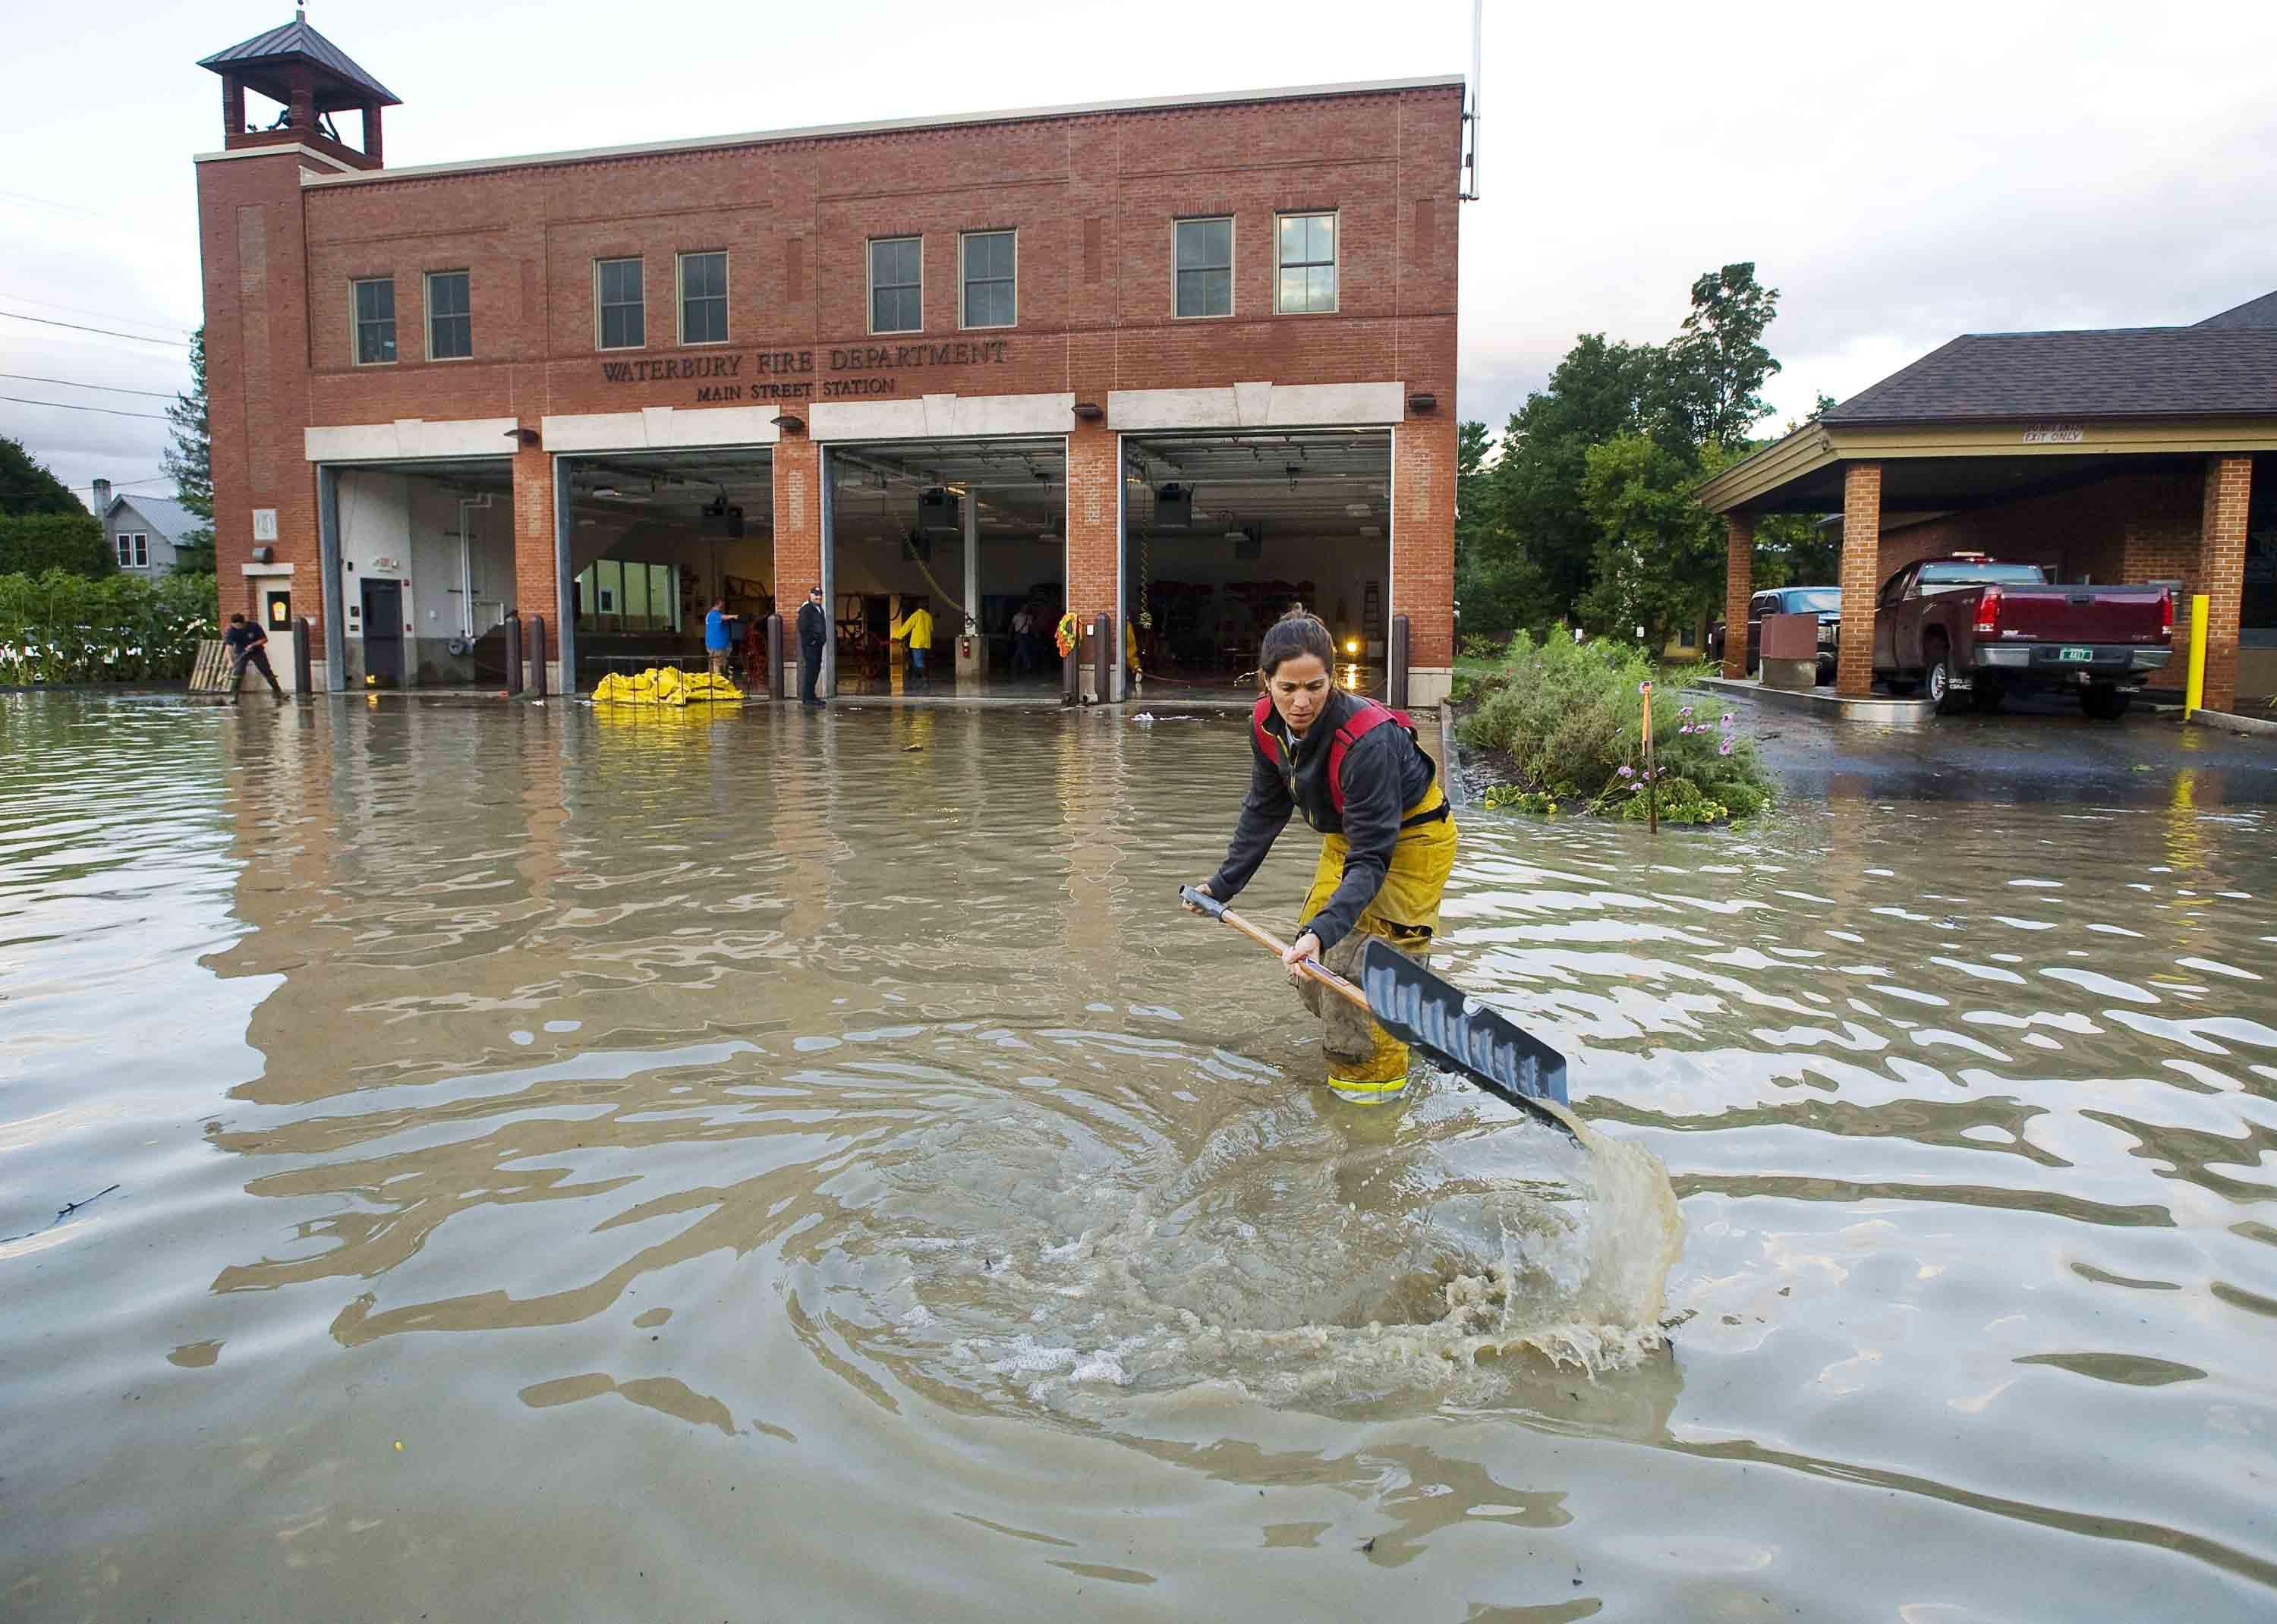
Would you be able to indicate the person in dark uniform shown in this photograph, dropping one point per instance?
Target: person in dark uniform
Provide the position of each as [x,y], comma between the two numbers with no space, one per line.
[1353,768]
[813,636]
[247,645]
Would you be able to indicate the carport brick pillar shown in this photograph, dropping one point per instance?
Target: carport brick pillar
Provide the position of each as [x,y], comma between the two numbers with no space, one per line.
[536,591]
[1739,587]
[1422,554]
[2221,573]
[1861,563]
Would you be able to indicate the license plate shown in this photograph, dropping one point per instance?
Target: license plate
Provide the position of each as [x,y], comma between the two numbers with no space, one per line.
[2076,656]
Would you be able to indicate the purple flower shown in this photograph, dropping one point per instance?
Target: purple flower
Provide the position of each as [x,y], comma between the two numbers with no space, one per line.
[1727,719]
[1723,749]
[1685,711]
[1628,773]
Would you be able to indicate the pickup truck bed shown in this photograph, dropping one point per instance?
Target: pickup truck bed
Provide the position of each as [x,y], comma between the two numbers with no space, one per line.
[1972,630]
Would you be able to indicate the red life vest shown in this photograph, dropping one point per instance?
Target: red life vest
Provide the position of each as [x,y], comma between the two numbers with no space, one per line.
[1369,717]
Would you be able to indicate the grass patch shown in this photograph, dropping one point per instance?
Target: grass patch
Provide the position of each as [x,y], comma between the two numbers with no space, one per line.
[1567,723]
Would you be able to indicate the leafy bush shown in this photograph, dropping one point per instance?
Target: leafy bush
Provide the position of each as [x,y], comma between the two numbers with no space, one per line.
[60,628]
[1569,719]
[1525,799]
[34,543]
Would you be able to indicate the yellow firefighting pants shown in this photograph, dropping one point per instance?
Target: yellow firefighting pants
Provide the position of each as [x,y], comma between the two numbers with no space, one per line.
[1366,1065]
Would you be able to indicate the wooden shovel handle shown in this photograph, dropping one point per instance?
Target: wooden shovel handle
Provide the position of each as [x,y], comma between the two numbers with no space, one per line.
[1313,968]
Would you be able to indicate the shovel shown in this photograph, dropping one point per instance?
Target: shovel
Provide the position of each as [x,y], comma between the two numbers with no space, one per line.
[1425,1013]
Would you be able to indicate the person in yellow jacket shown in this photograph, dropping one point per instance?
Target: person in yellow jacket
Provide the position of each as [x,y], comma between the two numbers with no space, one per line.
[916,626]
[1131,650]
[1354,771]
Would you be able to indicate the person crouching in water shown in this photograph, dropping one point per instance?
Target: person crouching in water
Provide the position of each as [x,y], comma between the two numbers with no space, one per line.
[1354,771]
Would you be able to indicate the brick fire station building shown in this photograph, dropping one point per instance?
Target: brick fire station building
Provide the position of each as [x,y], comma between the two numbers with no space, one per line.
[1175,361]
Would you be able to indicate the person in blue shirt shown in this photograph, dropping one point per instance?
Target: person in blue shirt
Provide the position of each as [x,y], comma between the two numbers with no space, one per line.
[718,639]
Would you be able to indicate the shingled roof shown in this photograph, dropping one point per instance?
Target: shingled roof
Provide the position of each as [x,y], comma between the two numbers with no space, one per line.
[2260,312]
[296,40]
[2219,368]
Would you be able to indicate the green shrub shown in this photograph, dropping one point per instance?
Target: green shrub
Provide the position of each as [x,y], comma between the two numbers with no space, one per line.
[1569,718]
[34,543]
[60,628]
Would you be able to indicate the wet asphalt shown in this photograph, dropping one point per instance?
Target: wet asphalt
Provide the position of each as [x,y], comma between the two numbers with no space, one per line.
[2034,750]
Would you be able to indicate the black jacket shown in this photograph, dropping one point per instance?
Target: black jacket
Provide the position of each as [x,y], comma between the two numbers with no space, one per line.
[813,625]
[1385,773]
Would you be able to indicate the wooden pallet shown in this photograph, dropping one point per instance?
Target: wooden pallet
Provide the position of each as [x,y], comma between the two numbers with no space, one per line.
[210,673]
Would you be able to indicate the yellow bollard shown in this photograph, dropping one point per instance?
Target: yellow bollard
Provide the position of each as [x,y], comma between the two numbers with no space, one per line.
[2194,696]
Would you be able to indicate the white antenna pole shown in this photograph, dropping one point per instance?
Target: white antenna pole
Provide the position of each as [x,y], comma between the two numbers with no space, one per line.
[1470,193]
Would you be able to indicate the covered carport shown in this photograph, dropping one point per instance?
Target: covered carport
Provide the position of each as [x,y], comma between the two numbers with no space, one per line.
[2132,456]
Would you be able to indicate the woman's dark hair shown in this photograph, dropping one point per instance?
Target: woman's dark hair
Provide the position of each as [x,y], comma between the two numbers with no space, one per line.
[1294,633]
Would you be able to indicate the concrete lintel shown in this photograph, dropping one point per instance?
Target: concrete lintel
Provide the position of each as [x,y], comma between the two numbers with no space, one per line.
[266,569]
[1877,708]
[656,428]
[941,417]
[407,438]
[1258,405]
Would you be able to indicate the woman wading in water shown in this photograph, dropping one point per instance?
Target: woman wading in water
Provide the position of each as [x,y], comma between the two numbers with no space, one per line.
[1355,771]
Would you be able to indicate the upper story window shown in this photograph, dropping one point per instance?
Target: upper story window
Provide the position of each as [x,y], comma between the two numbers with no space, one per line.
[991,279]
[703,298]
[133,550]
[1205,267]
[897,284]
[619,303]
[449,323]
[375,321]
[1307,261]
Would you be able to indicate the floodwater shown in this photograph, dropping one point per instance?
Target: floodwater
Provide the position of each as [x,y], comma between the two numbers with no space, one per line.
[777,1165]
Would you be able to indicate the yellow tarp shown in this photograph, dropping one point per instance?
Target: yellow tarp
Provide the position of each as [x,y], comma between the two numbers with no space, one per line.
[666,684]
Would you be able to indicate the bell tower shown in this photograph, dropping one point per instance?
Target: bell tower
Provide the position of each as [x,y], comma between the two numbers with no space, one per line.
[311,79]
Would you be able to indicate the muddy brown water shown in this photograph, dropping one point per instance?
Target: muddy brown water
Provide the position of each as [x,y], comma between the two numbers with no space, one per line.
[766,1165]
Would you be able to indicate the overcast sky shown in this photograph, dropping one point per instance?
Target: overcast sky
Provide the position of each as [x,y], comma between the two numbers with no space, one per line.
[1900,176]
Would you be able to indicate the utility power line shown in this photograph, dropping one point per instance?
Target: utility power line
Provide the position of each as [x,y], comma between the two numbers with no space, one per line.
[155,417]
[178,343]
[112,388]
[112,316]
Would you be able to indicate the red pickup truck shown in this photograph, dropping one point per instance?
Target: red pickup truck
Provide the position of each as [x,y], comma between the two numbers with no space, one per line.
[1971,629]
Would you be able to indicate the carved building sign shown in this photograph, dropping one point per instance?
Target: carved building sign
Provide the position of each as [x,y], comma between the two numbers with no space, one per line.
[848,371]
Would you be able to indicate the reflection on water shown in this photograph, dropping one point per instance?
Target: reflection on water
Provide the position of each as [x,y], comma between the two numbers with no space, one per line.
[703,1165]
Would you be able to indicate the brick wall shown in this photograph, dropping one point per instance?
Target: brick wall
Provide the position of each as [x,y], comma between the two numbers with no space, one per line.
[1739,587]
[1091,197]
[2229,482]
[1861,578]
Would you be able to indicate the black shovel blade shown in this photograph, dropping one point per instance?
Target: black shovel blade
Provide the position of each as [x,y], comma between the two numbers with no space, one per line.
[1418,1008]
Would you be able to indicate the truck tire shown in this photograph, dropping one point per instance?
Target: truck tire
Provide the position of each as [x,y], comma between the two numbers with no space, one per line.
[1938,680]
[2101,702]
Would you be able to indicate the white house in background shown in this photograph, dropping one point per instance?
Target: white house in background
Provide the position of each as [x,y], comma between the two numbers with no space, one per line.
[142,531]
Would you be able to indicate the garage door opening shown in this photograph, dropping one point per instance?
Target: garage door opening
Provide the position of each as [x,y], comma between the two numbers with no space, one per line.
[1224,533]
[655,536]
[973,532]
[427,574]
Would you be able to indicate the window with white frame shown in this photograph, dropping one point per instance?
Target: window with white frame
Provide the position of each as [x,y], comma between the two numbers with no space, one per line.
[1205,267]
[450,324]
[991,278]
[1306,255]
[703,298]
[133,550]
[620,305]
[375,321]
[897,284]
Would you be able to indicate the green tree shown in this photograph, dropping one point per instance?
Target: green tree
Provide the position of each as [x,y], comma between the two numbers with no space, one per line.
[1716,368]
[27,487]
[1496,589]
[70,543]
[1659,559]
[188,462]
[1599,392]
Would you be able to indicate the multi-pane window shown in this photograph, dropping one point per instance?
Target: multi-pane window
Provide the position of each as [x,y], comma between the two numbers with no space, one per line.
[623,311]
[629,595]
[989,279]
[449,323]
[1205,268]
[133,550]
[896,284]
[375,321]
[1308,257]
[703,299]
